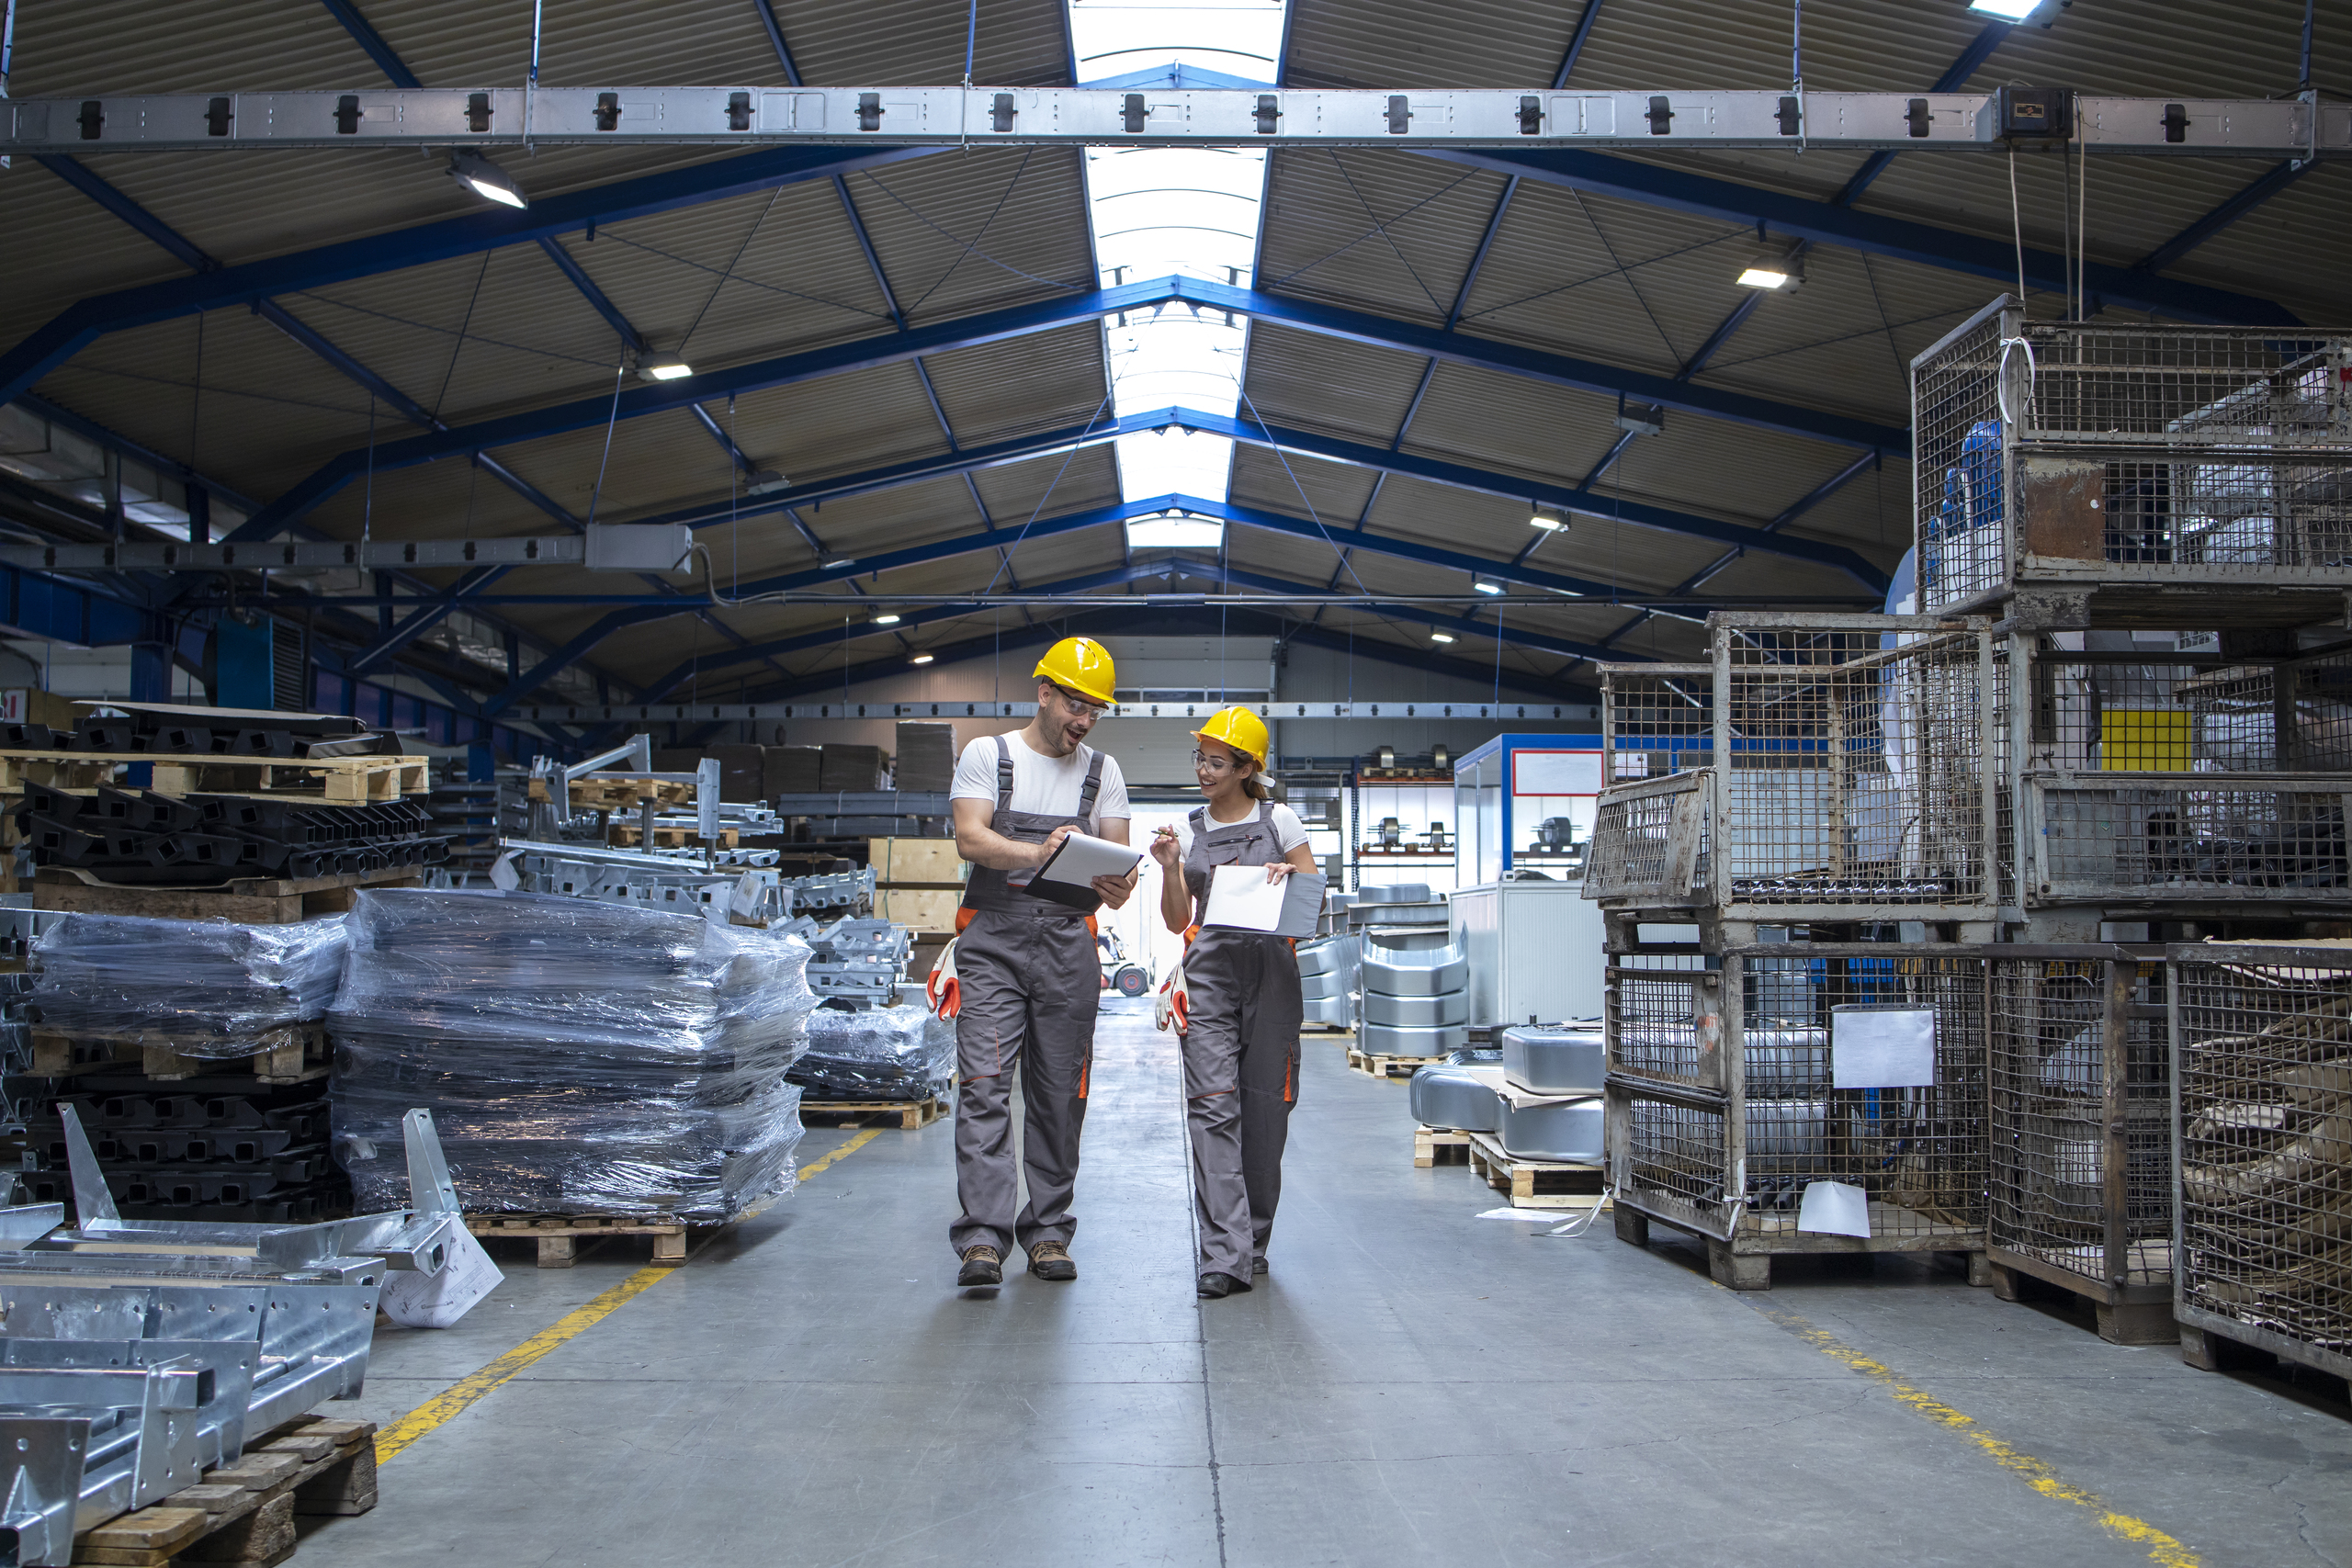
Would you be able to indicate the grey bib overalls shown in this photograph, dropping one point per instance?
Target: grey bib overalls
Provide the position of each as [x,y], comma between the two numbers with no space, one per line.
[1031,983]
[1241,1056]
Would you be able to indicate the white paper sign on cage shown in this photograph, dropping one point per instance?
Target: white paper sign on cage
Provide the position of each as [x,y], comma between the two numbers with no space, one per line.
[1878,1046]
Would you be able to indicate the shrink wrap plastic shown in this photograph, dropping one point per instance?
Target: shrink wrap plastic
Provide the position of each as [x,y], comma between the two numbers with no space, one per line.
[898,1053]
[214,988]
[578,1057]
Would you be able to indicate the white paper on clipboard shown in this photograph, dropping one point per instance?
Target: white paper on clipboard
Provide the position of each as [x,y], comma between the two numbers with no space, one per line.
[1083,857]
[1240,898]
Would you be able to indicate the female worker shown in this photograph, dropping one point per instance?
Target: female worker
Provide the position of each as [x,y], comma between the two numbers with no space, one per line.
[1240,1028]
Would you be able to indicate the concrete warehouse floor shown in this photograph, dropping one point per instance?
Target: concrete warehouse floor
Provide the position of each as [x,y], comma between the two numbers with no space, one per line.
[1411,1385]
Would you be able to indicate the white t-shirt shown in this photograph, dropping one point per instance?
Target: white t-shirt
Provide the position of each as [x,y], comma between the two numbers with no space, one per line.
[1042,786]
[1289,831]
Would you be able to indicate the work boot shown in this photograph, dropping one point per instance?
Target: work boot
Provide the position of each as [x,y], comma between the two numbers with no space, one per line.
[981,1267]
[1215,1287]
[1051,1260]
[1258,1264]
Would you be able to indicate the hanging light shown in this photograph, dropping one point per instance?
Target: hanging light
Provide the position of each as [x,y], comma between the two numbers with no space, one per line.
[919,659]
[1487,585]
[1551,519]
[886,620]
[1772,269]
[2007,10]
[1441,637]
[842,564]
[486,179]
[670,370]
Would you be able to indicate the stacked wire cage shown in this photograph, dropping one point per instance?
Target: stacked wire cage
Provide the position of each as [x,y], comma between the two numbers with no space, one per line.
[2079,1170]
[1781,817]
[2262,1130]
[2171,771]
[2135,467]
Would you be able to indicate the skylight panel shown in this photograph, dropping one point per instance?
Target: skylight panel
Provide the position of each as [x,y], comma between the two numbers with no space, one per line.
[1175,211]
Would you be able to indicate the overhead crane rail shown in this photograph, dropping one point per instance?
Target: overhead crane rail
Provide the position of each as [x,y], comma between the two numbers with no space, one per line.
[2301,127]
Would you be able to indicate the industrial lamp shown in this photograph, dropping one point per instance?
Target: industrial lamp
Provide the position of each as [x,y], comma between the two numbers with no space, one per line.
[1774,270]
[1550,519]
[486,179]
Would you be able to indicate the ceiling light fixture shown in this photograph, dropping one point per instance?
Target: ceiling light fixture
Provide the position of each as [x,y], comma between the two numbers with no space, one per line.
[1550,519]
[1441,637]
[2007,10]
[1487,585]
[1772,269]
[845,562]
[767,482]
[919,659]
[485,179]
[665,370]
[886,620]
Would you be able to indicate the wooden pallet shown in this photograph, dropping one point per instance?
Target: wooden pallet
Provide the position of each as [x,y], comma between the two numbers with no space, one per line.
[559,1235]
[2126,1315]
[1381,1067]
[912,1114]
[1535,1183]
[251,901]
[296,1054]
[618,795]
[244,1512]
[337,781]
[1440,1145]
[626,836]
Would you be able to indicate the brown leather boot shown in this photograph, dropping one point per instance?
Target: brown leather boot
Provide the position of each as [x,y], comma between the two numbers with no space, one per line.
[1051,1260]
[981,1267]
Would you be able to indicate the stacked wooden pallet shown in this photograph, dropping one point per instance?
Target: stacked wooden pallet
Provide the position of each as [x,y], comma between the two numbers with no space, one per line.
[242,1513]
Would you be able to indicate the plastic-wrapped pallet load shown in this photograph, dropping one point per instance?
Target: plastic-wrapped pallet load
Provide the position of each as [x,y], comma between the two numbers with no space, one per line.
[578,1056]
[895,1053]
[211,988]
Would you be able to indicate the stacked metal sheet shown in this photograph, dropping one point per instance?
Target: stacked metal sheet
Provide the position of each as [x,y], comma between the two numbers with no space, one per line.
[579,1057]
[1416,1001]
[232,1150]
[136,1355]
[1327,979]
[1550,1108]
[905,1051]
[208,989]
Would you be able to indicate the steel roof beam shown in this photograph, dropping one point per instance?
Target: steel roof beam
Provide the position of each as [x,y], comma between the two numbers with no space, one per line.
[1591,503]
[86,320]
[1023,320]
[2277,179]
[365,35]
[1826,223]
[1980,49]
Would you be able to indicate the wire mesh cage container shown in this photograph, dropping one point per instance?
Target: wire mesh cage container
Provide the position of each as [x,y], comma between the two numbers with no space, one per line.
[1656,719]
[2139,455]
[1846,777]
[2080,1188]
[2262,1129]
[1724,1108]
[2174,701]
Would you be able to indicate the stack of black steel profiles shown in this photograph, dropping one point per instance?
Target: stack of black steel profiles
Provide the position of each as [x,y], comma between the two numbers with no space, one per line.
[241,1152]
[140,837]
[144,838]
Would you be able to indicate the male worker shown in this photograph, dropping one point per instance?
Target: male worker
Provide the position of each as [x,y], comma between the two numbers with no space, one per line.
[1026,966]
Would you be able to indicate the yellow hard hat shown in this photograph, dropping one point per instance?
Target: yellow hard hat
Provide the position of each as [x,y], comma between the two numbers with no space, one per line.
[1240,729]
[1081,664]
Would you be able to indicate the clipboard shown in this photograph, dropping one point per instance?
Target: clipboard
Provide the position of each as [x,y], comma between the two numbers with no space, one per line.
[1067,875]
[1240,898]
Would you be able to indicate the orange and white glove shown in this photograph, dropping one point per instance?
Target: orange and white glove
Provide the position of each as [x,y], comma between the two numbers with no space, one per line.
[941,989]
[1175,1004]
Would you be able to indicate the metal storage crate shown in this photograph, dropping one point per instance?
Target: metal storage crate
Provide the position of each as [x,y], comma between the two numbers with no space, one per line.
[2180,704]
[2262,1128]
[1849,778]
[2271,840]
[2080,1165]
[2147,457]
[1721,1110]
[1656,719]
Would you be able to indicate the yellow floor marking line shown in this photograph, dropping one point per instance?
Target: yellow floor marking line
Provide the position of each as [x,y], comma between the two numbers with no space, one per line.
[445,1406]
[2162,1548]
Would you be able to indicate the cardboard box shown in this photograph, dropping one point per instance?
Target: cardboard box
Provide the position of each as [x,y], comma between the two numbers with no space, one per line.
[28,704]
[789,770]
[926,758]
[858,768]
[916,862]
[742,773]
[917,908]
